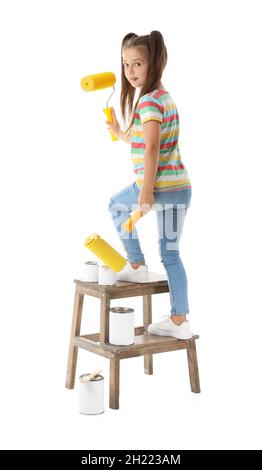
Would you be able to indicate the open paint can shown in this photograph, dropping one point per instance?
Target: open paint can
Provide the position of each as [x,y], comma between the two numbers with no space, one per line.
[91,396]
[121,326]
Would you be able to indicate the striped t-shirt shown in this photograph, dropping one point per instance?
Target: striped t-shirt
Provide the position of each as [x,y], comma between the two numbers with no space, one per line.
[171,174]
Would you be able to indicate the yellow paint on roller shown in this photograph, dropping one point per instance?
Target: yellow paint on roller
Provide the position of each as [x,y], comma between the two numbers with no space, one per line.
[105,252]
[108,113]
[130,223]
[98,81]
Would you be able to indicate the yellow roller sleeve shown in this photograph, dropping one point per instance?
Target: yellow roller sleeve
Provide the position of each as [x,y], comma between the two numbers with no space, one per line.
[105,252]
[108,113]
[130,223]
[98,81]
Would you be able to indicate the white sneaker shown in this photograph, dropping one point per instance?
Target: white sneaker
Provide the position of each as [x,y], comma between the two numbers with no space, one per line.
[166,327]
[133,275]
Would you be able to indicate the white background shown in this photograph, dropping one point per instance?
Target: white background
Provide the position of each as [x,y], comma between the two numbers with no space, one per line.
[58,170]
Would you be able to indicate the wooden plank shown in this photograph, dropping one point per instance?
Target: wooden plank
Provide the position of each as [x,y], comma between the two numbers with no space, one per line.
[193,367]
[75,331]
[96,288]
[104,317]
[147,319]
[144,344]
[97,348]
[138,291]
[87,290]
[152,349]
[114,381]
[123,289]
[95,337]
[139,330]
[148,344]
[143,340]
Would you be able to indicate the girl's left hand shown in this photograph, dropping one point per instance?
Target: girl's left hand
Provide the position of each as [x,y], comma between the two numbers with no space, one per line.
[145,201]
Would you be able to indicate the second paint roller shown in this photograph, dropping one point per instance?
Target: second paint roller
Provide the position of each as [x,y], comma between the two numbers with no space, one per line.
[105,252]
[99,81]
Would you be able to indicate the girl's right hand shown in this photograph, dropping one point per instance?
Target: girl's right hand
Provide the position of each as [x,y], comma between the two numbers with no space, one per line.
[114,126]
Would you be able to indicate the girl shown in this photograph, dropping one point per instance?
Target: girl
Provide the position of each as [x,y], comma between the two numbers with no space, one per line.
[161,178]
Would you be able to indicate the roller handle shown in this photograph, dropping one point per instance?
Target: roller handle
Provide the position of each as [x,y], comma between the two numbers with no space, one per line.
[133,219]
[109,115]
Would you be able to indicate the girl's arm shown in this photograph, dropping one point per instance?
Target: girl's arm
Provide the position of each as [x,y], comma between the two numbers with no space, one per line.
[151,131]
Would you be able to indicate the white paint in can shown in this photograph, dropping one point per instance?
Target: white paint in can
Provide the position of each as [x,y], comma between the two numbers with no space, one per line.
[121,326]
[91,396]
[106,276]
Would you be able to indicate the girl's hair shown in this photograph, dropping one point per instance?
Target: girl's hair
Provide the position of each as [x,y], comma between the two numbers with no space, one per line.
[157,58]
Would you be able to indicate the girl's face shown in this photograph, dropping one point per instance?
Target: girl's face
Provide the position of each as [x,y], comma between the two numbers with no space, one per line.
[135,65]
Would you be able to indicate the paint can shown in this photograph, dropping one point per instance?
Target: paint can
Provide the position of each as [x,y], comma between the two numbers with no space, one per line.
[106,276]
[90,271]
[91,396]
[121,326]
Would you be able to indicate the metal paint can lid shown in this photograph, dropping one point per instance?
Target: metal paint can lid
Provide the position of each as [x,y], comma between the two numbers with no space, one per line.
[121,310]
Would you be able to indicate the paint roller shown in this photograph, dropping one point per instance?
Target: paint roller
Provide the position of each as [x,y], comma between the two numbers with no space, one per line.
[100,81]
[105,252]
[129,225]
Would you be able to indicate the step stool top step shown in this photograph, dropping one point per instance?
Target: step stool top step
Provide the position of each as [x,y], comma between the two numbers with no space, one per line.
[155,280]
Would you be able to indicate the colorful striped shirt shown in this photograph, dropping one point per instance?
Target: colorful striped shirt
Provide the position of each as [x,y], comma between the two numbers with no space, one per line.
[171,174]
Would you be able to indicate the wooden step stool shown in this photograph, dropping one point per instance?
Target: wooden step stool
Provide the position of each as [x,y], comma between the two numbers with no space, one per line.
[145,345]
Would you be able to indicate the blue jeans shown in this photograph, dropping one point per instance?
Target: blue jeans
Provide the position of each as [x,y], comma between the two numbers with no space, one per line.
[171,208]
